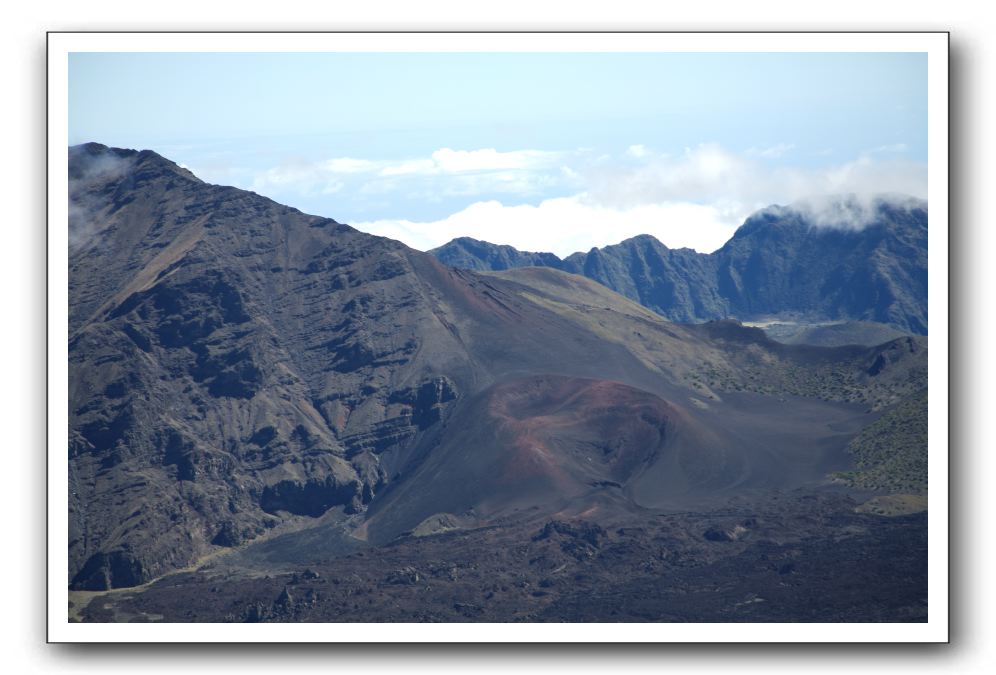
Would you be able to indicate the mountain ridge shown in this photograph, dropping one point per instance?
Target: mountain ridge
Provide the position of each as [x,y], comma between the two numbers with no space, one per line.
[782,262]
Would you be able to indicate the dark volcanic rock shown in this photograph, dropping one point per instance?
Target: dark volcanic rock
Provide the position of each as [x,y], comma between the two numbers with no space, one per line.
[675,283]
[406,576]
[109,570]
[206,389]
[716,534]
[817,561]
[311,498]
[472,254]
[230,534]
[590,533]
[580,540]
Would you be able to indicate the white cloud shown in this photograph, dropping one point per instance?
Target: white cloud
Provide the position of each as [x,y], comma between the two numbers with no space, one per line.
[300,177]
[489,159]
[568,224]
[710,174]
[468,172]
[893,148]
[347,165]
[774,152]
[409,167]
[849,212]
[696,198]
[865,176]
[449,161]
[333,186]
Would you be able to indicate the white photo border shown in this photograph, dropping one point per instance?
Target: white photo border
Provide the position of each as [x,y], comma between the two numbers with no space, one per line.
[934,44]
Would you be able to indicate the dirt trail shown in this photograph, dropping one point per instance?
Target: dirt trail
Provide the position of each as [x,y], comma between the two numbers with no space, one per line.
[80,600]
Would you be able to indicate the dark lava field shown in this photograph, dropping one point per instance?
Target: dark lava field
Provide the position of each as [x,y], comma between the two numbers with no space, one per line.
[789,557]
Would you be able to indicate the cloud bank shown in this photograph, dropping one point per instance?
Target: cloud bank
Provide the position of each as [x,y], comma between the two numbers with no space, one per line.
[852,211]
[712,174]
[567,201]
[452,171]
[565,225]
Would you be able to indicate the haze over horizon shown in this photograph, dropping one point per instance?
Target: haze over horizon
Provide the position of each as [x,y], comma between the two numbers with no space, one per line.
[544,152]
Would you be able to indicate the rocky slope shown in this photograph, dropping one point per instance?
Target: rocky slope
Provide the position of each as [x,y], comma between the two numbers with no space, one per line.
[783,261]
[237,368]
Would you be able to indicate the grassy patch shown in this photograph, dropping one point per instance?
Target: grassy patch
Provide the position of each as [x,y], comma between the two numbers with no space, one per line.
[891,453]
[894,505]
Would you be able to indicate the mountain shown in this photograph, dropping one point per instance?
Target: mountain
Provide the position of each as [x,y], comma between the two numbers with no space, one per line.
[673,283]
[242,372]
[783,260]
[790,262]
[471,254]
[677,284]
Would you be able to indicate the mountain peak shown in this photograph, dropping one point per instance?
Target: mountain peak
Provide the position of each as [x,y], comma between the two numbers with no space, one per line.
[645,239]
[95,161]
[842,212]
[470,253]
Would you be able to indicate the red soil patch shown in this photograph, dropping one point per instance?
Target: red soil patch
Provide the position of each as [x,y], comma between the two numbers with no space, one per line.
[577,430]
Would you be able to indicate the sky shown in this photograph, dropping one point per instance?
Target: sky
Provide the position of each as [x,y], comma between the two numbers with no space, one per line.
[555,152]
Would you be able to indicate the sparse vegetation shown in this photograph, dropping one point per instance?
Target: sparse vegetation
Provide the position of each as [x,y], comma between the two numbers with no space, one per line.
[844,381]
[891,454]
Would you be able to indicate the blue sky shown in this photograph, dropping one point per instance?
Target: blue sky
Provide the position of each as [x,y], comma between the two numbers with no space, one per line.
[553,152]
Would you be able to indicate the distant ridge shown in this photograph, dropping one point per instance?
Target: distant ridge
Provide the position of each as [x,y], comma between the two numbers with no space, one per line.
[784,261]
